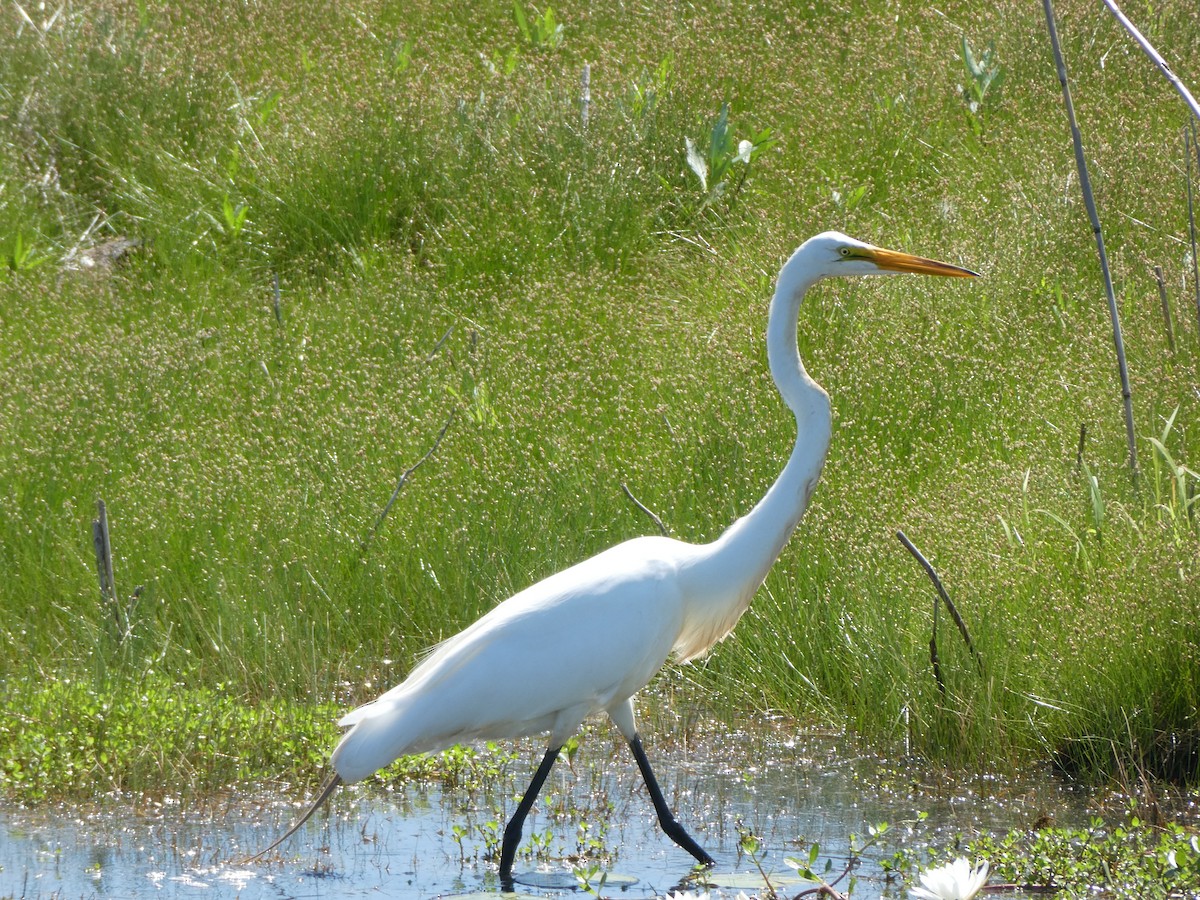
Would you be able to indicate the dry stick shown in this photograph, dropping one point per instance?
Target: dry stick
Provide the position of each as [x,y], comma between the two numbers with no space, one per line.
[1014,887]
[1192,231]
[1149,50]
[362,548]
[104,565]
[1183,92]
[275,297]
[1191,129]
[822,890]
[937,583]
[438,345]
[1085,185]
[1079,451]
[638,503]
[934,660]
[1166,307]
[585,94]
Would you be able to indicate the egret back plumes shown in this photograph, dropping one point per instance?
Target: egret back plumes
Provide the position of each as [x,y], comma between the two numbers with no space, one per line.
[576,643]
[587,639]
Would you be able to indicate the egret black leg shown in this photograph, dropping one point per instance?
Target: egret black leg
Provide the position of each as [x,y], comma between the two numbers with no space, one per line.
[670,826]
[512,831]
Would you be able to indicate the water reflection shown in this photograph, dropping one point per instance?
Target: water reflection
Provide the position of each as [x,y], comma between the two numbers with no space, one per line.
[414,841]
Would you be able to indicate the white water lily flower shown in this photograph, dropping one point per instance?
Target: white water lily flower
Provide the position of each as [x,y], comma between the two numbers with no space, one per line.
[954,881]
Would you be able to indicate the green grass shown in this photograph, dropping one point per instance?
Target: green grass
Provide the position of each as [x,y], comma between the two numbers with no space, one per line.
[447,236]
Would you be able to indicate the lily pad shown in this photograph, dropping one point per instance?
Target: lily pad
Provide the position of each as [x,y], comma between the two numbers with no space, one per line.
[752,880]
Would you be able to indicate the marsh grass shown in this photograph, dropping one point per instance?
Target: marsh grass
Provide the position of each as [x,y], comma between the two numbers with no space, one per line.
[445,236]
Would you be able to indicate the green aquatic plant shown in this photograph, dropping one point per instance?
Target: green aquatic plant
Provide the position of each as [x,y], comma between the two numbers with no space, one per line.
[541,31]
[590,878]
[1175,487]
[983,75]
[23,255]
[719,151]
[1130,861]
[647,91]
[400,56]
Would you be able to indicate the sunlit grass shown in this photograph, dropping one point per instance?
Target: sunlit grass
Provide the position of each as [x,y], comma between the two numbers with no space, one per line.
[385,219]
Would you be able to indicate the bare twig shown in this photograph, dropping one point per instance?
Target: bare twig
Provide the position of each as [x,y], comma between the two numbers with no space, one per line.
[104,566]
[1192,230]
[638,503]
[823,890]
[1079,449]
[1166,307]
[935,661]
[1187,155]
[1085,185]
[438,345]
[366,542]
[122,616]
[1149,50]
[937,583]
[1013,887]
[585,94]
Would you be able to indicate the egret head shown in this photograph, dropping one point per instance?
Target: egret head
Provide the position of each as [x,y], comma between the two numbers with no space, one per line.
[838,254]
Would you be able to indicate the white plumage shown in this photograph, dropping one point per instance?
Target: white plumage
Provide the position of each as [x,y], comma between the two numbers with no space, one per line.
[587,639]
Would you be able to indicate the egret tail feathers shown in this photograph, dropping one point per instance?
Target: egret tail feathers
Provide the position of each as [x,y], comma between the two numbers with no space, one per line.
[326,790]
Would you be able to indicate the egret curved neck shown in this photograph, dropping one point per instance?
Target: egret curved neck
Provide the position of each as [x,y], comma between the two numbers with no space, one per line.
[740,559]
[754,542]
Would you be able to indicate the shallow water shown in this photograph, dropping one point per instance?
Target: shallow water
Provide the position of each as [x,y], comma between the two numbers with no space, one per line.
[789,790]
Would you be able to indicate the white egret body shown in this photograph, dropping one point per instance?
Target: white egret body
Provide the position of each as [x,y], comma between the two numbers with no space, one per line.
[587,639]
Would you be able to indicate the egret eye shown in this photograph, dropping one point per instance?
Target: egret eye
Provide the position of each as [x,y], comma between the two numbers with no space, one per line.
[845,251]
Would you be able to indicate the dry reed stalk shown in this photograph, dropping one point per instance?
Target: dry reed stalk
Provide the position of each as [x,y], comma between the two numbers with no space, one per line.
[954,614]
[640,505]
[104,566]
[1187,169]
[1149,50]
[366,542]
[1089,201]
[1166,307]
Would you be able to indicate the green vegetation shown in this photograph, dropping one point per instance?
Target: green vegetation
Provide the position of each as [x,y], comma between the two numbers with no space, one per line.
[352,223]
[1132,860]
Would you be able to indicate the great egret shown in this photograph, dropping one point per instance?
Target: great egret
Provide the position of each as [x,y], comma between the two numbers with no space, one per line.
[586,639]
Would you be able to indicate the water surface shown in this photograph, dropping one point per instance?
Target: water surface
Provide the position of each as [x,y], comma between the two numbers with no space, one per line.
[789,789]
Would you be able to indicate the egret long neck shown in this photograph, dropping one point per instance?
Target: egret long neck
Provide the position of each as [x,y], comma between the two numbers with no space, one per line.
[753,543]
[735,565]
